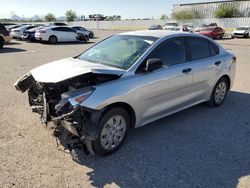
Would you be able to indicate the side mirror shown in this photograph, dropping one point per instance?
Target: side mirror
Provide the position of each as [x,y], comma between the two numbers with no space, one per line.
[153,64]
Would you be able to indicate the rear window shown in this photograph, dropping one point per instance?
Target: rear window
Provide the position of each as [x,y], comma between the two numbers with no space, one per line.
[199,48]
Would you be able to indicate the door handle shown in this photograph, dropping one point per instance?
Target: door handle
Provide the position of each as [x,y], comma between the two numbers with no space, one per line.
[186,71]
[217,63]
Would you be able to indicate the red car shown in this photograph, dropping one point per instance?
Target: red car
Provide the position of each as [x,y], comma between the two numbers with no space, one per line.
[212,32]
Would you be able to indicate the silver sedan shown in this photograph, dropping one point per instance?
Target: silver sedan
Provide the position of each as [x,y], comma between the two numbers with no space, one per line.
[126,81]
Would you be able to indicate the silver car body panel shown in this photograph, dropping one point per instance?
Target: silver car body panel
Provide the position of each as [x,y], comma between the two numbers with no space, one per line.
[165,91]
[67,68]
[152,95]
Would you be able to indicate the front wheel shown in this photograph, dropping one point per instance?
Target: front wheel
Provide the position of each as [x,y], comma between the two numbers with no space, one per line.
[219,92]
[113,129]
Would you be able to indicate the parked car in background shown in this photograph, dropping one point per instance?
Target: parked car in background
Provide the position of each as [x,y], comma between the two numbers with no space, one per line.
[8,24]
[189,26]
[18,32]
[180,29]
[170,24]
[212,32]
[4,36]
[83,30]
[58,24]
[29,35]
[202,26]
[155,27]
[126,81]
[55,34]
[9,27]
[242,31]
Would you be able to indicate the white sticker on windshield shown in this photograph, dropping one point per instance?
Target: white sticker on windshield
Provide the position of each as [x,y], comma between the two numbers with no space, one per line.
[148,41]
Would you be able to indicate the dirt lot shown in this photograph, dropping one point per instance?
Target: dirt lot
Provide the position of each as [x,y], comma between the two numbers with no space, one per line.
[198,147]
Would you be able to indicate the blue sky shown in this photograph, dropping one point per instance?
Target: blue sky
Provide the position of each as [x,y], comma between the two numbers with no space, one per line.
[125,8]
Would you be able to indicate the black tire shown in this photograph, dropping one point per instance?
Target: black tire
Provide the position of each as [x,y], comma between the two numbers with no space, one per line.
[52,39]
[91,35]
[247,35]
[1,42]
[98,148]
[213,101]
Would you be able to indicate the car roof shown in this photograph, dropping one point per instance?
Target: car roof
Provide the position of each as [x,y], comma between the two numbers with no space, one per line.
[156,33]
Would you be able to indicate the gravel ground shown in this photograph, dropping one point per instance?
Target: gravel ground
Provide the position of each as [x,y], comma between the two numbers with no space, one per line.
[199,147]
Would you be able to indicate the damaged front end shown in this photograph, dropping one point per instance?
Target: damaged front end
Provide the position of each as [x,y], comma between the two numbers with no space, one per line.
[60,103]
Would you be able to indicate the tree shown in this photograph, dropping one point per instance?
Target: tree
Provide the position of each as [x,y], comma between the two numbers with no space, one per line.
[186,15]
[227,11]
[70,15]
[164,17]
[50,17]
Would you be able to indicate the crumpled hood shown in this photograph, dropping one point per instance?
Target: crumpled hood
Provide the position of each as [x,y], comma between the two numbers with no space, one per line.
[68,68]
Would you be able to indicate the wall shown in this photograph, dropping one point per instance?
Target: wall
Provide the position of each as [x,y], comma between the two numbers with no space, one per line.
[144,24]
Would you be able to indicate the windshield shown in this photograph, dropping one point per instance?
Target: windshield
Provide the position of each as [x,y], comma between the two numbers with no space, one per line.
[119,51]
[241,28]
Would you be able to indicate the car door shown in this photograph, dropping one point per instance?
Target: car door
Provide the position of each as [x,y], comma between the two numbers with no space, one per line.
[167,89]
[206,66]
[59,33]
[70,34]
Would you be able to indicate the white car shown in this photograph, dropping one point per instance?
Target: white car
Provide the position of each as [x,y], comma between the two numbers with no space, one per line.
[83,30]
[18,32]
[56,34]
[242,31]
[180,29]
[170,25]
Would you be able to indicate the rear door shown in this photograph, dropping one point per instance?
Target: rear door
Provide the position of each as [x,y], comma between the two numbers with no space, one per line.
[168,88]
[206,65]
[69,34]
[59,33]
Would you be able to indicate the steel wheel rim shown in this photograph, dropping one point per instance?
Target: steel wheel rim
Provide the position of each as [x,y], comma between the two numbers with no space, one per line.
[220,92]
[113,132]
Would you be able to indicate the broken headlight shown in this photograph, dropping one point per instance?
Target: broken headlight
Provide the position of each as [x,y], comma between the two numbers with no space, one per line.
[80,98]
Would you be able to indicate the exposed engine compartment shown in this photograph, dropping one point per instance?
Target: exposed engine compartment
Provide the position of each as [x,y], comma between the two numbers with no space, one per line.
[51,102]
[47,95]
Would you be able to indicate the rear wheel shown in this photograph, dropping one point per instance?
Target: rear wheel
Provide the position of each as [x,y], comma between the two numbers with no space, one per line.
[52,40]
[91,35]
[114,125]
[1,42]
[219,92]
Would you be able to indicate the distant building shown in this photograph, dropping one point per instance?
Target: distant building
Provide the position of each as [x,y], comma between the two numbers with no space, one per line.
[207,8]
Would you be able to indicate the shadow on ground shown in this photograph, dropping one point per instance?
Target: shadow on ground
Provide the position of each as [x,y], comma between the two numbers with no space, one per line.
[68,43]
[198,147]
[11,50]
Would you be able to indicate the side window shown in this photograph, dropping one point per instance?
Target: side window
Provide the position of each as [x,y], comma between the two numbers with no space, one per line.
[214,50]
[171,52]
[199,48]
[68,29]
[57,29]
